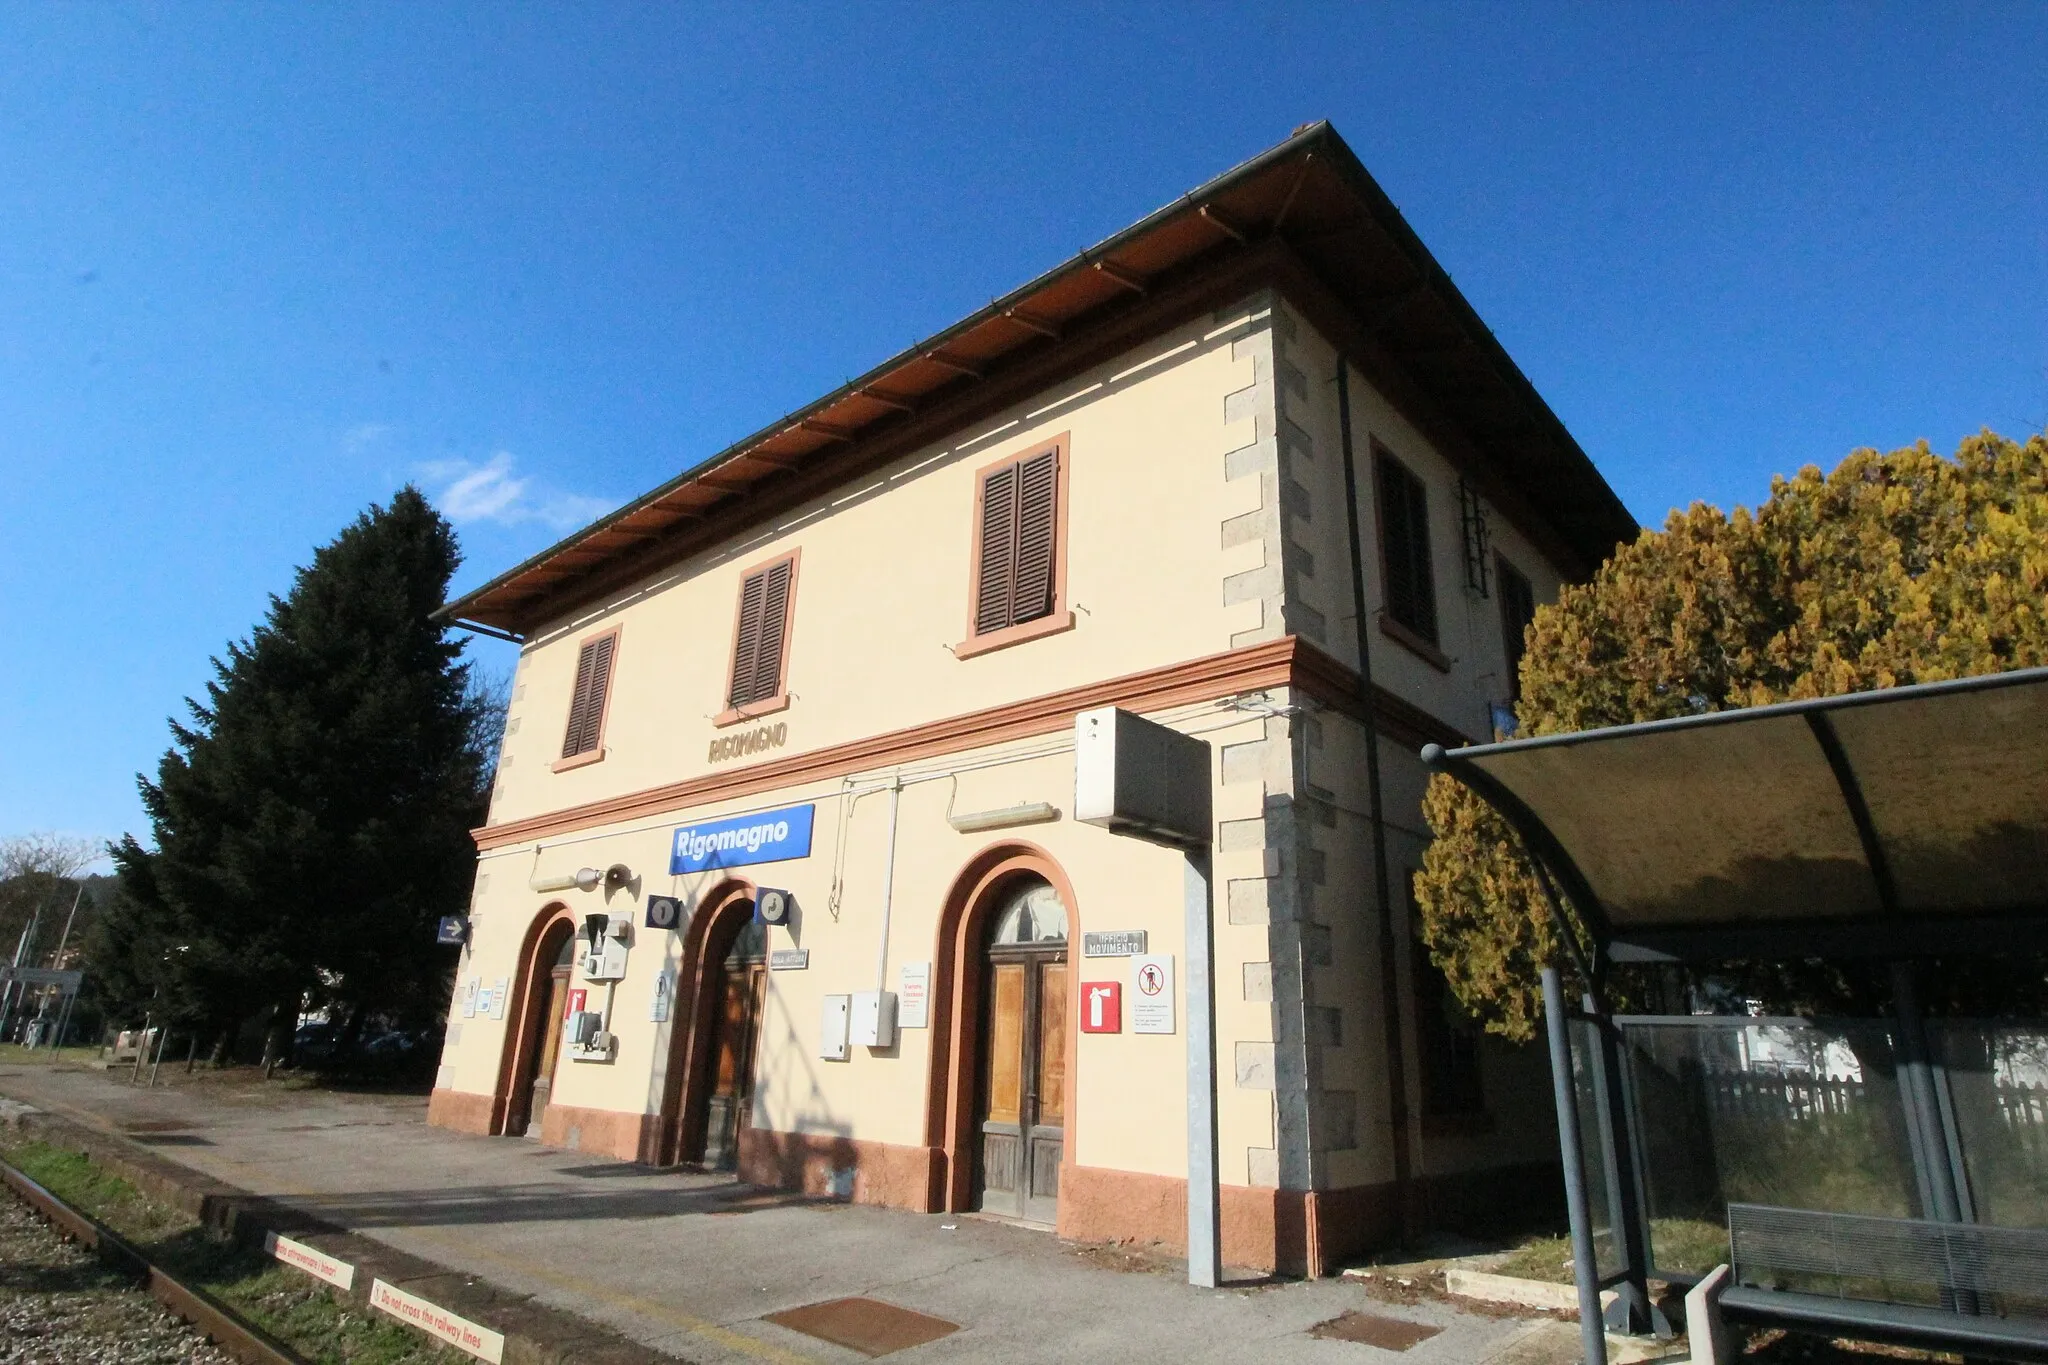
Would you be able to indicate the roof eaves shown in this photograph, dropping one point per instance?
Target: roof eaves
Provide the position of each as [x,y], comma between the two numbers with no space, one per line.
[1311,136]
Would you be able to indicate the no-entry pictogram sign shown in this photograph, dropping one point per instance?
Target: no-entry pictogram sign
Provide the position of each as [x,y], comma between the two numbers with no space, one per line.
[1152,993]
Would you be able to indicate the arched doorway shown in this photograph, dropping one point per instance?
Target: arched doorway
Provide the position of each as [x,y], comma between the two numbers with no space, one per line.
[735,998]
[1021,1076]
[708,1099]
[543,996]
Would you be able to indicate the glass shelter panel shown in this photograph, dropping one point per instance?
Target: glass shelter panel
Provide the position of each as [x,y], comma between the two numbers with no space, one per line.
[1998,1092]
[1784,1112]
[1585,1044]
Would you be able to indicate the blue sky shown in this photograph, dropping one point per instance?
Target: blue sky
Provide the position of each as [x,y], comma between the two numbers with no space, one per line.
[260,265]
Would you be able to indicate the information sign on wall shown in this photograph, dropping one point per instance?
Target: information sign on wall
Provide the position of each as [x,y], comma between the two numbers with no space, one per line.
[664,912]
[467,997]
[769,836]
[1152,993]
[1113,942]
[789,960]
[664,993]
[499,990]
[914,995]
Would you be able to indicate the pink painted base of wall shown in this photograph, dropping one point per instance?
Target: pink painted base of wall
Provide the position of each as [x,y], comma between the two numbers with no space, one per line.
[883,1173]
[602,1132]
[1288,1232]
[460,1111]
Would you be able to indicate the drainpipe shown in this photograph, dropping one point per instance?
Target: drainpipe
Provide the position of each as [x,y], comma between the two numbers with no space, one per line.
[1390,975]
[888,885]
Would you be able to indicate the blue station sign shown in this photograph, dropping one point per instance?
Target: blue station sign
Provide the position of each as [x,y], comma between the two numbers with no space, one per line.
[769,836]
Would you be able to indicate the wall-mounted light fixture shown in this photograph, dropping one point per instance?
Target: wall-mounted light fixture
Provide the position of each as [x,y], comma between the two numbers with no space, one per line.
[1032,813]
[583,879]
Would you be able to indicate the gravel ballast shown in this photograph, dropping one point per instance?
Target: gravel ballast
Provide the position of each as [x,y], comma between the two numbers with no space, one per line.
[60,1306]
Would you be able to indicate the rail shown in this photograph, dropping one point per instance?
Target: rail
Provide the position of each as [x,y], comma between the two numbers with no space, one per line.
[228,1330]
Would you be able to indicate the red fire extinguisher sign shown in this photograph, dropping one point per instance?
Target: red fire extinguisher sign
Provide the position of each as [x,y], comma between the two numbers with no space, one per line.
[1102,1007]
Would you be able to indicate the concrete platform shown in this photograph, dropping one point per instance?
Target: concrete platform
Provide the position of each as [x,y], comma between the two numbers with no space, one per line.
[690,1265]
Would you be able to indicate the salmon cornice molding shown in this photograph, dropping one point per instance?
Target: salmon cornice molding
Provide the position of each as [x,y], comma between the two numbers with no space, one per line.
[1287,662]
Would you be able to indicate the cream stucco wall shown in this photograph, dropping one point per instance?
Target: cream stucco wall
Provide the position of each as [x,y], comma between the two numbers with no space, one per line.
[1129,1088]
[882,589]
[1204,513]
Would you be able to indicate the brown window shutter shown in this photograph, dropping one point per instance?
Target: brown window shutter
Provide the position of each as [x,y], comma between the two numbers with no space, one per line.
[586,700]
[774,622]
[746,653]
[1038,481]
[993,601]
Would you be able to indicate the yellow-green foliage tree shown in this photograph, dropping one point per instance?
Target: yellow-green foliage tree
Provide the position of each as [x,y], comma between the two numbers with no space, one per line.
[1892,569]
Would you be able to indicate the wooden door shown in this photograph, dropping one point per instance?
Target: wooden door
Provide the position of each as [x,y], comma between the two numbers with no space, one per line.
[735,1029]
[1024,1084]
[550,1049]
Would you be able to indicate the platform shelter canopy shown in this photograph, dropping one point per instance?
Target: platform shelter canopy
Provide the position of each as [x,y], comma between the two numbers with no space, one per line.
[1911,821]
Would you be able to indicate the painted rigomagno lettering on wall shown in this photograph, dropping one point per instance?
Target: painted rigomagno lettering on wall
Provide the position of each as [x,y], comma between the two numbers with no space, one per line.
[753,741]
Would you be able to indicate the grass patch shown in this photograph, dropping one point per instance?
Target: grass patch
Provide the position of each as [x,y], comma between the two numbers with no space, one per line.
[315,1321]
[1540,1258]
[47,1056]
[1681,1244]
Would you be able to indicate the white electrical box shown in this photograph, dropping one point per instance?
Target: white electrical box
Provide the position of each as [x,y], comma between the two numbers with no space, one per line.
[1133,776]
[584,1038]
[832,1029]
[874,1019]
[606,962]
[605,942]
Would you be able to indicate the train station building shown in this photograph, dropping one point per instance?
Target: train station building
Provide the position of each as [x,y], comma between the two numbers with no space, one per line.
[781,872]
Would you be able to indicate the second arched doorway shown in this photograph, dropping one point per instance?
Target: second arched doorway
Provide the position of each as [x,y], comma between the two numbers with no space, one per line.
[708,1103]
[1021,1081]
[737,990]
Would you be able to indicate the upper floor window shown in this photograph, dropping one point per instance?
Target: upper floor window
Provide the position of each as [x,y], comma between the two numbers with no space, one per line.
[1517,610]
[758,683]
[1019,550]
[1404,550]
[583,739]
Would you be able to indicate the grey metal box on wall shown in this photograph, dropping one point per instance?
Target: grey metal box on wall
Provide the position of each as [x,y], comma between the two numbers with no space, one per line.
[1136,777]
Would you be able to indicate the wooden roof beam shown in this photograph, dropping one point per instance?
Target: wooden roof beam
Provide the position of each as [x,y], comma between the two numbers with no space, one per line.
[1031,322]
[828,430]
[888,400]
[1128,279]
[946,362]
[1224,224]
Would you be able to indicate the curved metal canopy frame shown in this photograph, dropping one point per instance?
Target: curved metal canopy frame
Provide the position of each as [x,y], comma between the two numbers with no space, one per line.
[1900,823]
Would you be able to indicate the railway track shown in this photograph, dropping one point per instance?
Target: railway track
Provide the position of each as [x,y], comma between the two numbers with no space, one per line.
[233,1334]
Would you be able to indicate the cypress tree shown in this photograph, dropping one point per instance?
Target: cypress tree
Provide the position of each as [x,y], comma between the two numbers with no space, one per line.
[311,819]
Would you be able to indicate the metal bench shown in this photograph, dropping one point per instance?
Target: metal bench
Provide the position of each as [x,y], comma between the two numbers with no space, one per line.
[1988,1285]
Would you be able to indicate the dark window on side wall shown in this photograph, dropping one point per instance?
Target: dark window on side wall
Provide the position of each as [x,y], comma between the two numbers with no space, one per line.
[761,638]
[1019,521]
[1447,1041]
[1404,548]
[586,701]
[1517,610]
